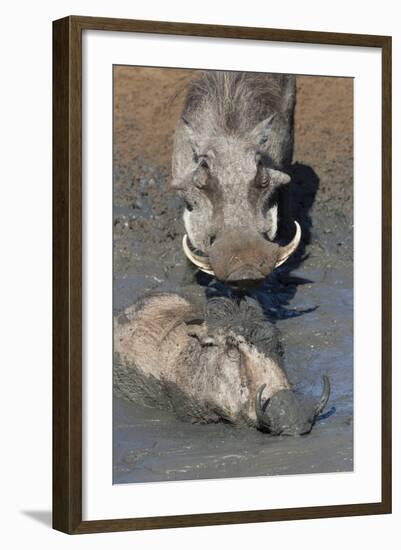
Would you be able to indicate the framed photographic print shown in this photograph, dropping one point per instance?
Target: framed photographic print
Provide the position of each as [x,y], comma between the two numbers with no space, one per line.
[222,274]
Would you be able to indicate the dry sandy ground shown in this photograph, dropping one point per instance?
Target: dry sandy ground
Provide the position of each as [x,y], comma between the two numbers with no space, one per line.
[315,318]
[148,102]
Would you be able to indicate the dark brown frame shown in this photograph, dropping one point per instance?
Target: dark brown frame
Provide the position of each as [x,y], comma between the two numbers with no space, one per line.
[67,281]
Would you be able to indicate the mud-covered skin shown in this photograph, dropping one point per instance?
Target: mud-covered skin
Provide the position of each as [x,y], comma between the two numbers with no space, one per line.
[206,370]
[284,414]
[287,416]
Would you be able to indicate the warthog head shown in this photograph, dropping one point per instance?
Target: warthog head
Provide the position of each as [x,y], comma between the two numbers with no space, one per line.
[209,366]
[232,146]
[252,346]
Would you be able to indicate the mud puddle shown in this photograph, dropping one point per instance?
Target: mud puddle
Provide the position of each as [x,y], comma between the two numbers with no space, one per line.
[315,320]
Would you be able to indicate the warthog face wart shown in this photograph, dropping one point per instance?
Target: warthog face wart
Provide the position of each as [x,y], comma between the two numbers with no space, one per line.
[232,146]
[207,368]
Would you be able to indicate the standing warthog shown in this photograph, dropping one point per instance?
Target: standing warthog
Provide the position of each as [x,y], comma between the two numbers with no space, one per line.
[232,150]
[208,369]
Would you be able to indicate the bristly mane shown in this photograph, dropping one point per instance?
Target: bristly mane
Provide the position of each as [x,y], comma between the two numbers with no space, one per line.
[236,101]
[247,319]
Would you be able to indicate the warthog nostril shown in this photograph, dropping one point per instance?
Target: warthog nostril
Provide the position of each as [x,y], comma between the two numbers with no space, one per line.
[297,430]
[245,277]
[245,284]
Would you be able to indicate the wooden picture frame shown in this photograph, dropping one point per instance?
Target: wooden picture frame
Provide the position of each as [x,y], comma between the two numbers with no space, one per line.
[67,274]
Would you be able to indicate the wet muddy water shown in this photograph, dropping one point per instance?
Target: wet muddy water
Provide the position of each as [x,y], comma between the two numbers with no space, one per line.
[315,320]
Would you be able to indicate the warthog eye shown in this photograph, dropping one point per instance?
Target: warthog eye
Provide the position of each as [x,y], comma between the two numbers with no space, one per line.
[203,163]
[264,183]
[233,353]
[231,349]
[201,174]
[262,178]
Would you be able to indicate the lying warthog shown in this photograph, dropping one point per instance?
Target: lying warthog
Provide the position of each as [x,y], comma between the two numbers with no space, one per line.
[210,369]
[233,146]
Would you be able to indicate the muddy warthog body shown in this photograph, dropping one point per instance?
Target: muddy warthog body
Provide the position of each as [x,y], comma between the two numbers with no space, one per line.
[233,147]
[225,364]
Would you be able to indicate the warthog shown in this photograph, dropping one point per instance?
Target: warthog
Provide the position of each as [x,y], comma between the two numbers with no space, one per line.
[232,151]
[225,365]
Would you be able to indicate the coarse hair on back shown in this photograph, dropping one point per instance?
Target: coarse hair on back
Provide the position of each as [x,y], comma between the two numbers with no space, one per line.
[237,101]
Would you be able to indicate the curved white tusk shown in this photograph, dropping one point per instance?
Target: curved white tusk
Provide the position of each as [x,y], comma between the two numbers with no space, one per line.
[324,397]
[286,251]
[200,262]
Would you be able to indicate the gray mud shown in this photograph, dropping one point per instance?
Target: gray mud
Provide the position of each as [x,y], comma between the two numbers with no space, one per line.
[311,300]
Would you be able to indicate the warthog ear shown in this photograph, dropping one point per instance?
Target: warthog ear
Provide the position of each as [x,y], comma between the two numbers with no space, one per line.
[193,140]
[278,177]
[260,134]
[186,152]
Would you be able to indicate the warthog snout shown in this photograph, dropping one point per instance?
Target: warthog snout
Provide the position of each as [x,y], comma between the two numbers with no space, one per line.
[284,414]
[242,259]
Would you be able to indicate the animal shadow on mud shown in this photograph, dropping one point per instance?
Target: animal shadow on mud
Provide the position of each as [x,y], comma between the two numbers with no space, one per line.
[279,288]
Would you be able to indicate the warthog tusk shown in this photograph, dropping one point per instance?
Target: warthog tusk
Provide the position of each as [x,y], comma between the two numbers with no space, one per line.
[287,250]
[260,408]
[199,261]
[324,397]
